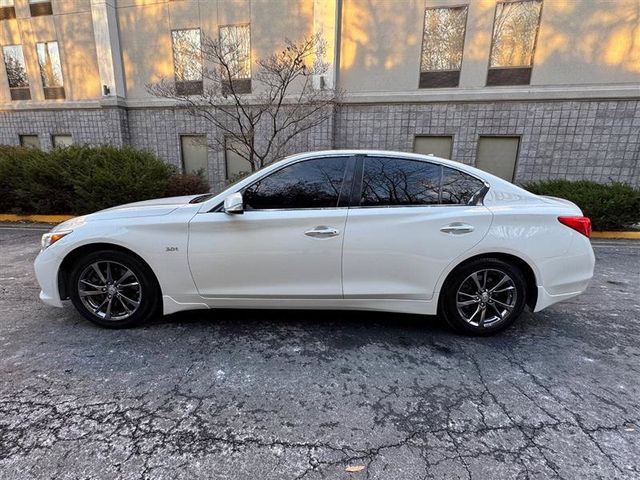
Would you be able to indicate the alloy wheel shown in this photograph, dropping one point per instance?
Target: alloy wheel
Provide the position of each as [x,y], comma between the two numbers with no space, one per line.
[486,297]
[109,290]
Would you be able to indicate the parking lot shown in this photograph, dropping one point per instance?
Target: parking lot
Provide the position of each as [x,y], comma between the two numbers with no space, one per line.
[284,395]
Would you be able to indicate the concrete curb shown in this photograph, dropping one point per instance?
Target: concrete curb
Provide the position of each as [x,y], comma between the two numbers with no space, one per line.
[617,235]
[10,217]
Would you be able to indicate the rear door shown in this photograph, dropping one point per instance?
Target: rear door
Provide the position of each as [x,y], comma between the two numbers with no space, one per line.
[408,220]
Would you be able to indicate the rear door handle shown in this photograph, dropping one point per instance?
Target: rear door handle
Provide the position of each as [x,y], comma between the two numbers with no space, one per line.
[322,231]
[457,228]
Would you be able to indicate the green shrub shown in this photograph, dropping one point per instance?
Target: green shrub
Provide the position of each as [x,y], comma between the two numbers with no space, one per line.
[82,179]
[610,207]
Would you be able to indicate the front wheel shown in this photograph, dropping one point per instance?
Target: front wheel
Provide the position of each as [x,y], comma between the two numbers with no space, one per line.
[113,289]
[484,296]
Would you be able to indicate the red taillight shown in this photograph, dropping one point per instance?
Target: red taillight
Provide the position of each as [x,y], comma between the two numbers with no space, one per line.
[579,224]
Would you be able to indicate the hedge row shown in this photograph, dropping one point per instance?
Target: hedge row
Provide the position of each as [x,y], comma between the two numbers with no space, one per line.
[83,179]
[610,207]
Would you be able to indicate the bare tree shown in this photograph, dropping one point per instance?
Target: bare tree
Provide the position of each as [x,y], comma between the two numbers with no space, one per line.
[287,100]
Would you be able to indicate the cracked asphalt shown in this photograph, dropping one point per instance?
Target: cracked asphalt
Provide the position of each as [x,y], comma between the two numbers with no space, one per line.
[290,395]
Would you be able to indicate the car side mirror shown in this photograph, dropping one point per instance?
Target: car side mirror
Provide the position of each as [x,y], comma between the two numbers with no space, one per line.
[234,204]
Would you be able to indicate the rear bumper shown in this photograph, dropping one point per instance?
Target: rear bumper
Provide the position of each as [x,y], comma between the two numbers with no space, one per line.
[568,276]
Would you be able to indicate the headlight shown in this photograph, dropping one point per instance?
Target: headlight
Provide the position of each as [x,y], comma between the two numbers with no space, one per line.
[50,238]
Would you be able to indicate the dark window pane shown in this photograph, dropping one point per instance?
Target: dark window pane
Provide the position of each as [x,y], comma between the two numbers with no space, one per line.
[309,184]
[458,187]
[391,181]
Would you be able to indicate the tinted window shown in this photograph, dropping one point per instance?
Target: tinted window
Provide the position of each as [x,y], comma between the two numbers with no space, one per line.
[390,181]
[458,187]
[309,184]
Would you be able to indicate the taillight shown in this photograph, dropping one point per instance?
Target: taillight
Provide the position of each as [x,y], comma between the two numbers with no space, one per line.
[579,224]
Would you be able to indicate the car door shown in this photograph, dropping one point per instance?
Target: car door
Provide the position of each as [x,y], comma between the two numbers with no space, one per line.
[408,220]
[286,244]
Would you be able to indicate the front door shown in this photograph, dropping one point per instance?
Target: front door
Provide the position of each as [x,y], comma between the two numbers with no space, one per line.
[287,243]
[412,219]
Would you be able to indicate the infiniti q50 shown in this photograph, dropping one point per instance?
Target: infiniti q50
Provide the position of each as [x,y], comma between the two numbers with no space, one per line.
[347,230]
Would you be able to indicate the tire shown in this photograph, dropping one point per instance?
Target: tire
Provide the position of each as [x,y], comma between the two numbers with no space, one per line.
[487,284]
[108,296]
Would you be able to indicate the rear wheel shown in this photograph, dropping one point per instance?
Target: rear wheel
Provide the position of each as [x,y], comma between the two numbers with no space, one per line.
[484,296]
[113,289]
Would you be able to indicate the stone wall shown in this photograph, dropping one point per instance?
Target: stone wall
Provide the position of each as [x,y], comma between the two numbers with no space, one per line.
[596,140]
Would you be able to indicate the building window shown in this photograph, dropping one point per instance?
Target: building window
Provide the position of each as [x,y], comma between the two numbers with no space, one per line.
[442,46]
[31,141]
[187,61]
[61,141]
[235,45]
[438,145]
[40,7]
[515,30]
[7,10]
[16,72]
[237,166]
[50,70]
[498,155]
[194,155]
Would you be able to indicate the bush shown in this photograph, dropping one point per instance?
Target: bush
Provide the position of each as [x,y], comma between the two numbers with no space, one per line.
[187,184]
[610,207]
[82,179]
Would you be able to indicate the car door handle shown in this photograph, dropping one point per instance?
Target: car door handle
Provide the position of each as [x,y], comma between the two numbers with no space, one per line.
[322,231]
[457,228]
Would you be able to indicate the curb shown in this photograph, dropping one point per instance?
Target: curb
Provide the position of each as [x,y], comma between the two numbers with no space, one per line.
[617,235]
[10,217]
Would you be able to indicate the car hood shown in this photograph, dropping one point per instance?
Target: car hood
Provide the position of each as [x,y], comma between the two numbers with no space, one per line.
[146,208]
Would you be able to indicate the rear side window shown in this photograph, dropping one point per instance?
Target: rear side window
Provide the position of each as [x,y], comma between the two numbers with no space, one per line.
[394,182]
[458,188]
[309,184]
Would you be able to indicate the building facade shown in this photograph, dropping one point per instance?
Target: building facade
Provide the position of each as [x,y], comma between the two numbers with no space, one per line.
[527,89]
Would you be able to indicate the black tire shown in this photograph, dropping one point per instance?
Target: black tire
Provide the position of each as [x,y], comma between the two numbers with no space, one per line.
[116,261]
[459,288]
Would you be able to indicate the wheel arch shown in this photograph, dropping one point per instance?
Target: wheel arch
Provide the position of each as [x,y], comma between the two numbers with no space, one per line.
[67,263]
[523,265]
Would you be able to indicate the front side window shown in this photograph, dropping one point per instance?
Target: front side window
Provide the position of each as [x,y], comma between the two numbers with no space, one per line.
[307,184]
[50,69]
[515,29]
[187,61]
[235,45]
[401,182]
[16,72]
[442,46]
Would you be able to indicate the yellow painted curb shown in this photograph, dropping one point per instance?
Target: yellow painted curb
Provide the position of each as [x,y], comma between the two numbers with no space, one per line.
[10,217]
[617,235]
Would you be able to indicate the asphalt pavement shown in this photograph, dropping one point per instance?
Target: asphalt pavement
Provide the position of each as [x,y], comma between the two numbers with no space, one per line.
[295,394]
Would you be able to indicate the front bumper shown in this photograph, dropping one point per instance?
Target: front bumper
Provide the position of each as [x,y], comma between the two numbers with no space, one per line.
[46,266]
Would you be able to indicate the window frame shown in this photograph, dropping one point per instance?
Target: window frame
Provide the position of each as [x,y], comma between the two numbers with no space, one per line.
[356,192]
[528,68]
[16,89]
[442,73]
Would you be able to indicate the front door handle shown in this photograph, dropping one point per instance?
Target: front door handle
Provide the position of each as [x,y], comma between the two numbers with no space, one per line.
[457,228]
[322,231]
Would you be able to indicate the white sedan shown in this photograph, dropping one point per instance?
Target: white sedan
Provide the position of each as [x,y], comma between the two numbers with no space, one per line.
[359,230]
